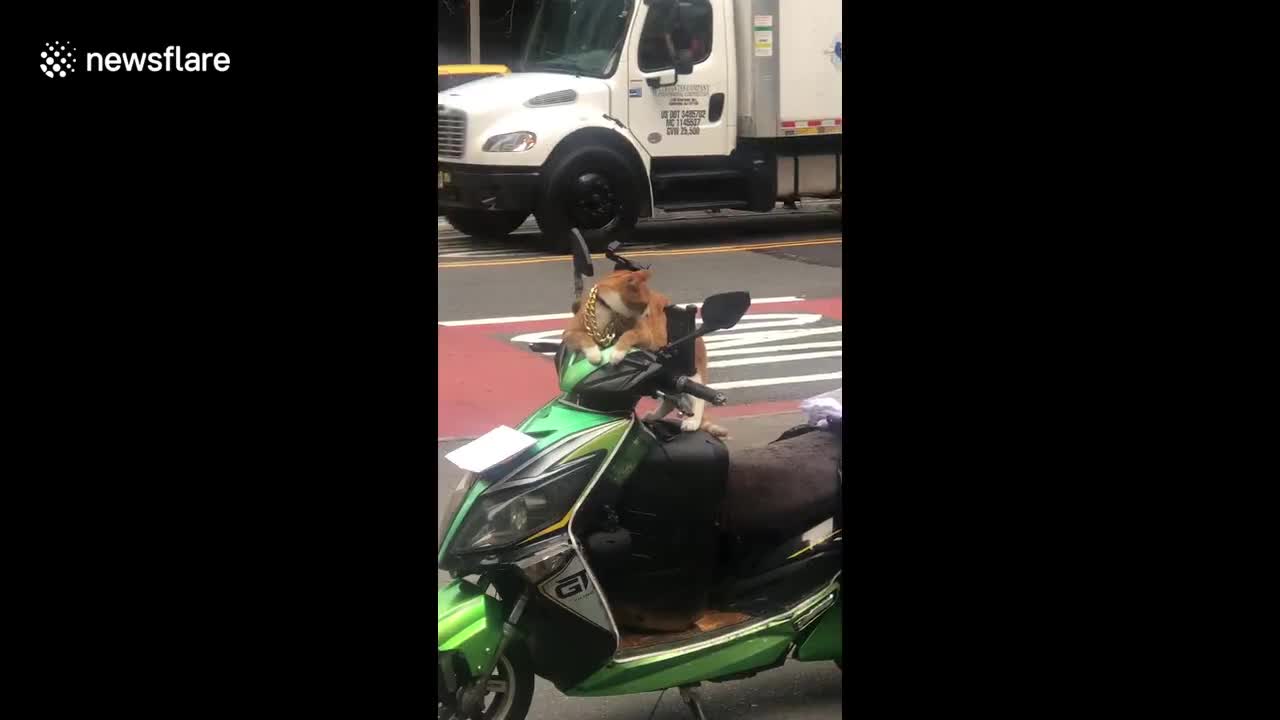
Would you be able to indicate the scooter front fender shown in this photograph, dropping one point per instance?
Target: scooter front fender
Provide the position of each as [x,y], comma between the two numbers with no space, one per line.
[469,622]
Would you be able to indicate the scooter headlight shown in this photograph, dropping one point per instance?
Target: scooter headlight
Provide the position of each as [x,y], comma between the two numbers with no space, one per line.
[514,509]
[520,513]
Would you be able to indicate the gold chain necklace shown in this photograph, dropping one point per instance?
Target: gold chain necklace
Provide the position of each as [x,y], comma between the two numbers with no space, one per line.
[604,337]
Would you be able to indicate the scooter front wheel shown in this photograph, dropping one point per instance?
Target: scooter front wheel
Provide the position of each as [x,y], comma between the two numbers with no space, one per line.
[510,689]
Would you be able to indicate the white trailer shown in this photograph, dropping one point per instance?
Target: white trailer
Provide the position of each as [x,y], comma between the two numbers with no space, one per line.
[623,107]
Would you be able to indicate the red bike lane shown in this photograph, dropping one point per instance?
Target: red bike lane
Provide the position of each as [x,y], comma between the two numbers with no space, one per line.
[485,380]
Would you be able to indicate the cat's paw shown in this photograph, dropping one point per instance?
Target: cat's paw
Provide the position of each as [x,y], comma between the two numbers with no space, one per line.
[690,424]
[618,355]
[592,352]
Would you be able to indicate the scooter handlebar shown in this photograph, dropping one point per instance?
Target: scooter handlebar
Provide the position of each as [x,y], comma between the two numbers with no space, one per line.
[685,385]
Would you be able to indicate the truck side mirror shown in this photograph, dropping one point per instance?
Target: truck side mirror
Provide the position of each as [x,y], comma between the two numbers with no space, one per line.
[683,67]
[655,80]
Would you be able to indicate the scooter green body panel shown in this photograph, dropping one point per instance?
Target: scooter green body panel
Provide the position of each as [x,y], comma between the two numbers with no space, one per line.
[468,621]
[677,668]
[552,423]
[825,640]
[557,420]
[577,368]
[752,648]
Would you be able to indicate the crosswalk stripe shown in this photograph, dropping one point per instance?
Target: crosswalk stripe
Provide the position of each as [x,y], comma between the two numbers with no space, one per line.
[773,320]
[737,355]
[773,359]
[566,316]
[553,336]
[763,382]
[766,336]
[774,348]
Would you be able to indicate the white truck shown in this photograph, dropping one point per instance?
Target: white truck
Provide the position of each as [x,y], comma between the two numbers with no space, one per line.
[622,107]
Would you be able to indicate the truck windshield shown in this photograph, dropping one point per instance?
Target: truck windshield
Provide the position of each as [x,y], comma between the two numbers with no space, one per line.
[580,37]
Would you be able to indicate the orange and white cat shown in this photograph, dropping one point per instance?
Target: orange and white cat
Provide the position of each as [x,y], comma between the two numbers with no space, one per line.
[625,304]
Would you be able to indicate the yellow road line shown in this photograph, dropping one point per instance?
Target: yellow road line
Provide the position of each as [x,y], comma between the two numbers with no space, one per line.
[650,253]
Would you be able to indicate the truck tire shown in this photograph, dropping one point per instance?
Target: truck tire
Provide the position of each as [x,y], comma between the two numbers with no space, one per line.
[493,225]
[593,189]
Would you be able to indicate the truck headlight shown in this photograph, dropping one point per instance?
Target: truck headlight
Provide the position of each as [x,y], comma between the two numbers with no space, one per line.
[511,142]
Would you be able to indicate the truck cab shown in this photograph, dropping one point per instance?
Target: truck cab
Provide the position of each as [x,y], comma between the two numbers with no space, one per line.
[624,107]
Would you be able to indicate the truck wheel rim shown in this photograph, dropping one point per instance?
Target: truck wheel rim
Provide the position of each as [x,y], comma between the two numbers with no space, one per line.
[594,204]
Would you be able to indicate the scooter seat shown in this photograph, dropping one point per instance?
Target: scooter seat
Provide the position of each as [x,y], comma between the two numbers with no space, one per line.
[784,488]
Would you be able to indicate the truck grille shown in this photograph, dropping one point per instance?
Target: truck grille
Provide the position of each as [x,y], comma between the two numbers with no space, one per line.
[451,132]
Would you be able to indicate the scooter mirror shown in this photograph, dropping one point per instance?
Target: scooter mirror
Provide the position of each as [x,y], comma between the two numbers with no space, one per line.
[619,262]
[724,310]
[581,258]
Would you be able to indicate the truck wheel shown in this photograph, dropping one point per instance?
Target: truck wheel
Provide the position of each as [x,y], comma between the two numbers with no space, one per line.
[593,190]
[489,224]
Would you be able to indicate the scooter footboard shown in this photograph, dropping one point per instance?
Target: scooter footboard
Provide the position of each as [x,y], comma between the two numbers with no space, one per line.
[469,623]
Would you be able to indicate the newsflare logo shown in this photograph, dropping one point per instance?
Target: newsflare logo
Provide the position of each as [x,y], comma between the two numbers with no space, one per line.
[56,60]
[60,58]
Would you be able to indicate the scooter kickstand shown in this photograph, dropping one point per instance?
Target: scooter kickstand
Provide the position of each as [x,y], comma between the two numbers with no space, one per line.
[693,700]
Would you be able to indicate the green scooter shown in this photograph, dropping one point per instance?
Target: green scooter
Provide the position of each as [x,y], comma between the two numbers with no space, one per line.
[618,555]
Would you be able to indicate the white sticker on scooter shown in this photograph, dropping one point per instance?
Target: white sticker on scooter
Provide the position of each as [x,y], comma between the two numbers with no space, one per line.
[495,446]
[572,589]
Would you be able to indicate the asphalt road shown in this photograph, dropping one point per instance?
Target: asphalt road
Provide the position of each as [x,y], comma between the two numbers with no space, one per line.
[491,294]
[795,691]
[663,231]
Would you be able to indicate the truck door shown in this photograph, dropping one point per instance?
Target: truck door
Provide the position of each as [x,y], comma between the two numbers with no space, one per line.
[685,117]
